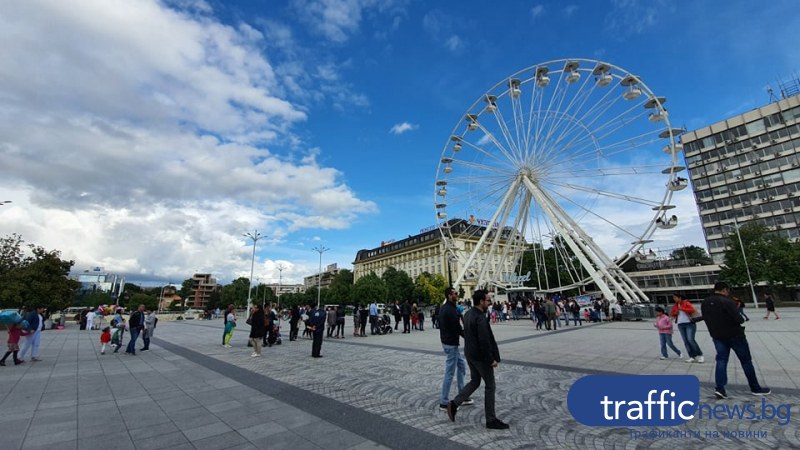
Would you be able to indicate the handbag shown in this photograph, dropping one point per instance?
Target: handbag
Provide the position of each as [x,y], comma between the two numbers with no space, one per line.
[249,320]
[696,316]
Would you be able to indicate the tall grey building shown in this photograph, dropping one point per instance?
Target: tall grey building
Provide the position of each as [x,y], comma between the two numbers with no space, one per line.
[747,169]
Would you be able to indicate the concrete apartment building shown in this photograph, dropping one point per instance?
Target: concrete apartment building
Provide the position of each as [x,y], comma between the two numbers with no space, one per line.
[327,277]
[747,169]
[203,285]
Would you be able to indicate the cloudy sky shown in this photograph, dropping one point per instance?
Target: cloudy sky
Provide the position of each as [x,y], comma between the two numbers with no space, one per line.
[146,137]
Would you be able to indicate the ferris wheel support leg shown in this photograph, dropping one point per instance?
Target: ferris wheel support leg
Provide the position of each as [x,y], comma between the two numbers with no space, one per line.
[509,195]
[548,209]
[488,261]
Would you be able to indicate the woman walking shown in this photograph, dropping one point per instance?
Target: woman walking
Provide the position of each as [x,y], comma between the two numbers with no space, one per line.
[682,311]
[230,325]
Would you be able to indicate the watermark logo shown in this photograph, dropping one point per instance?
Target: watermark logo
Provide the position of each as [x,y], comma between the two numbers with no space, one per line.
[634,400]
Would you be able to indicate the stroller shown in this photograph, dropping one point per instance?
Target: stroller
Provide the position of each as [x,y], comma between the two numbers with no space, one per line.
[384,324]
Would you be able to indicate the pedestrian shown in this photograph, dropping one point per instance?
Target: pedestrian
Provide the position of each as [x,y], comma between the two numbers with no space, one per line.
[356,320]
[330,318]
[90,320]
[294,319]
[230,325]
[150,320]
[740,308]
[421,319]
[15,331]
[271,326]
[396,314]
[340,322]
[450,333]
[683,312]
[135,327]
[36,324]
[576,313]
[258,328]
[118,323]
[317,319]
[664,326]
[483,357]
[373,318]
[405,311]
[725,327]
[414,317]
[435,316]
[363,316]
[550,313]
[770,304]
[105,339]
[228,311]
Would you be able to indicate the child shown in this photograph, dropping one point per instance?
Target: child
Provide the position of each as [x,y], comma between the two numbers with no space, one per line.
[14,333]
[116,339]
[105,338]
[664,325]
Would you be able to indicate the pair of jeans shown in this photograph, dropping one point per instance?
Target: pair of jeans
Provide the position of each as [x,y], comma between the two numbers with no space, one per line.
[688,330]
[741,348]
[131,348]
[576,318]
[453,363]
[32,343]
[480,370]
[666,339]
[146,340]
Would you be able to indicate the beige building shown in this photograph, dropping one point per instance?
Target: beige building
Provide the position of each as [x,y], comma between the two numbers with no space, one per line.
[168,295]
[327,277]
[203,285]
[426,252]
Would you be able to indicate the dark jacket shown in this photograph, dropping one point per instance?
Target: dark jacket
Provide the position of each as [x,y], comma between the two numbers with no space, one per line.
[449,324]
[317,320]
[405,309]
[136,320]
[258,324]
[33,320]
[479,343]
[721,317]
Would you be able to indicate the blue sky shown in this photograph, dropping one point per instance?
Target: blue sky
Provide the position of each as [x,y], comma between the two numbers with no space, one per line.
[145,137]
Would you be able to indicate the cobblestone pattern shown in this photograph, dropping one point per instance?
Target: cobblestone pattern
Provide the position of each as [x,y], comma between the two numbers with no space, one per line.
[403,385]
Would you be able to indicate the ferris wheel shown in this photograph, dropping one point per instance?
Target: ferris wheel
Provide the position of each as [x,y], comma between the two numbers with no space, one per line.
[575,155]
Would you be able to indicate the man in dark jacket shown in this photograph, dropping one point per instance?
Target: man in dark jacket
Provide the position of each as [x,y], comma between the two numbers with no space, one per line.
[724,326]
[317,319]
[450,333]
[135,326]
[483,356]
[405,311]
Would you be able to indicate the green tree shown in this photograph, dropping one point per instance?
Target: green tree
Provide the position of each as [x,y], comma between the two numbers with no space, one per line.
[771,258]
[236,292]
[399,286]
[38,278]
[691,254]
[97,298]
[150,302]
[186,290]
[429,288]
[340,291]
[369,288]
[265,294]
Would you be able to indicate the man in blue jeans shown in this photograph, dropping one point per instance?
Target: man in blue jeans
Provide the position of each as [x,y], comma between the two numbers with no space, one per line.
[450,332]
[724,326]
[136,325]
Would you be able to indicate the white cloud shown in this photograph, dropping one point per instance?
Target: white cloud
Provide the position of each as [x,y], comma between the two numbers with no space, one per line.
[569,10]
[628,17]
[443,29]
[402,127]
[537,11]
[337,20]
[145,139]
[454,43]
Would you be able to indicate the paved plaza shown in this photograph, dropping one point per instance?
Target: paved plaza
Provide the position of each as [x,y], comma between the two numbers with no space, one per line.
[374,392]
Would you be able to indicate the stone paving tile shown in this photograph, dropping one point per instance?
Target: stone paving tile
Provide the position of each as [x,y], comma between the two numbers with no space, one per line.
[169,440]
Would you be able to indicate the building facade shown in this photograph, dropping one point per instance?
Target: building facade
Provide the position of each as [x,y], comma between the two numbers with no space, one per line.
[203,286]
[327,277]
[747,169]
[427,252]
[280,289]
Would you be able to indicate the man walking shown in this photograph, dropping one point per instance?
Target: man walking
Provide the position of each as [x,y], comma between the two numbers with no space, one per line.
[483,356]
[136,325]
[396,314]
[450,332]
[405,311]
[36,324]
[373,317]
[724,326]
[317,318]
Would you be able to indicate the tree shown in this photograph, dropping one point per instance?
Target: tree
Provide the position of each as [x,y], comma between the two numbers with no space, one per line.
[236,292]
[340,291]
[369,288]
[399,285]
[429,288]
[771,258]
[691,254]
[265,294]
[97,298]
[140,298]
[187,287]
[38,278]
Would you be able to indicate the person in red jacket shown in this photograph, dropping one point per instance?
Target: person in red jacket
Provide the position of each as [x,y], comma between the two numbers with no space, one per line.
[682,311]
[14,333]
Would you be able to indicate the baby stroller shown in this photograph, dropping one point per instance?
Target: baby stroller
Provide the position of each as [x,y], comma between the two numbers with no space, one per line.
[274,337]
[384,324]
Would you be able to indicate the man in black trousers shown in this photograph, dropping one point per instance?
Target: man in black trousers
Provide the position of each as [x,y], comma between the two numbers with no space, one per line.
[405,311]
[317,319]
[483,356]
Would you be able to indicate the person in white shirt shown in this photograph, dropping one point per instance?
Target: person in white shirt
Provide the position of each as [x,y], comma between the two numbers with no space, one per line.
[36,324]
[90,320]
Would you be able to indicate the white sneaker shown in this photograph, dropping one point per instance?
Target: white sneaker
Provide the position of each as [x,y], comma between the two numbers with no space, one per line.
[680,355]
[662,357]
[253,355]
[700,359]
[690,360]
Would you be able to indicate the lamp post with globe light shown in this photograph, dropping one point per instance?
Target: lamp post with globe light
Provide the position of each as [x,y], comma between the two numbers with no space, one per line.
[280,268]
[320,249]
[255,236]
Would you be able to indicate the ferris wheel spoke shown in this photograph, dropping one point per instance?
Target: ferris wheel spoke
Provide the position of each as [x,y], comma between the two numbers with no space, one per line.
[614,195]
[609,171]
[484,152]
[581,96]
[478,166]
[490,136]
[590,154]
[594,214]
[514,142]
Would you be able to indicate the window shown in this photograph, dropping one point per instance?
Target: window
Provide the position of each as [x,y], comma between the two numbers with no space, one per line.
[754,128]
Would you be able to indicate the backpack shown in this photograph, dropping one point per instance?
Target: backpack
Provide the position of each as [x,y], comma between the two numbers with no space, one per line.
[113,323]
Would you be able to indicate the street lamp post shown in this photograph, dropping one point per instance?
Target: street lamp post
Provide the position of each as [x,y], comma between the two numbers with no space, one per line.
[255,236]
[746,266]
[280,268]
[5,202]
[320,249]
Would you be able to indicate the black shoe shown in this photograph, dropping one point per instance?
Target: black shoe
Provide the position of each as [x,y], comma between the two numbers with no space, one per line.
[721,394]
[443,407]
[496,424]
[2,363]
[762,391]
[452,408]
